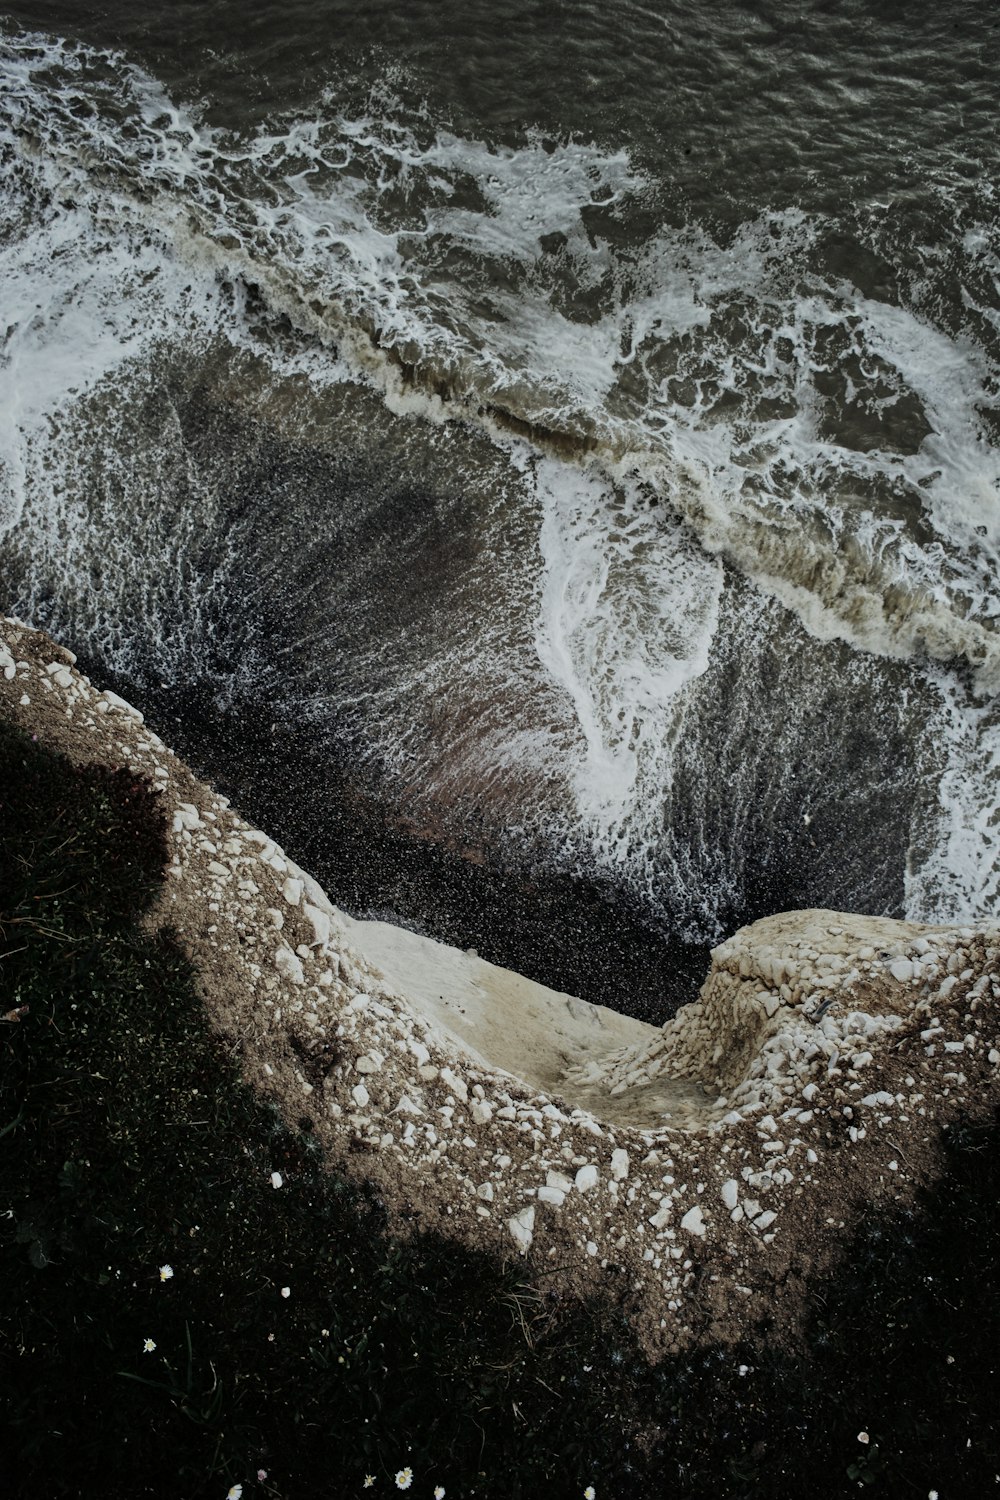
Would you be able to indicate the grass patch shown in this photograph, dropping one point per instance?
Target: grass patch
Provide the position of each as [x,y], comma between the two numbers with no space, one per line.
[128,1143]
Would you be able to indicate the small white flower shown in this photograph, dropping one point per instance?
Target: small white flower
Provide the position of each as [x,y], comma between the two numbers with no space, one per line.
[863,1437]
[261,1475]
[369,1481]
[235,1492]
[404,1479]
[439,1492]
[589,1492]
[166,1272]
[276,1179]
[286,1291]
[149,1346]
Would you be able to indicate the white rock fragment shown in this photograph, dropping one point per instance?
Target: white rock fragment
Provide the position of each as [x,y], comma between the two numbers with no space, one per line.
[619,1164]
[289,965]
[901,969]
[458,1087]
[586,1178]
[292,891]
[730,1193]
[320,923]
[693,1222]
[276,1180]
[522,1227]
[419,1051]
[485,1191]
[555,1196]
[482,1113]
[360,1095]
[366,1064]
[113,701]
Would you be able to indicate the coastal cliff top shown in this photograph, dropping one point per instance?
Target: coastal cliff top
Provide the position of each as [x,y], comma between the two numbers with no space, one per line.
[701,1171]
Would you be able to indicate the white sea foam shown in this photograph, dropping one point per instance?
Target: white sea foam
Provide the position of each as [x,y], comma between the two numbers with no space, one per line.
[458,276]
[958,877]
[719,371]
[628,611]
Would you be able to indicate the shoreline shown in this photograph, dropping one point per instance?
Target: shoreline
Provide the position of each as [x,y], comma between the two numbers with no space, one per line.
[813,1075]
[569,932]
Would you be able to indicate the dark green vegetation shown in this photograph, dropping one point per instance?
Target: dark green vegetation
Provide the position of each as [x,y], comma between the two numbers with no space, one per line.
[128,1143]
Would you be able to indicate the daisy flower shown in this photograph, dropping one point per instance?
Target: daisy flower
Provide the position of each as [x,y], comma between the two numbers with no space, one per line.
[166,1272]
[439,1492]
[149,1346]
[589,1492]
[235,1492]
[369,1481]
[404,1479]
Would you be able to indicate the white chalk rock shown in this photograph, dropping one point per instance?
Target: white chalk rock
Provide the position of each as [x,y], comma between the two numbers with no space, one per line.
[485,1191]
[482,1113]
[555,1196]
[522,1227]
[360,1095]
[559,1181]
[901,969]
[451,1081]
[586,1178]
[320,923]
[289,965]
[693,1222]
[292,891]
[619,1165]
[367,1064]
[113,700]
[731,1193]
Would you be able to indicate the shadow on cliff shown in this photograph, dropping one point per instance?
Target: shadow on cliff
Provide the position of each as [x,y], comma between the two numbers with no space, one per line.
[128,1145]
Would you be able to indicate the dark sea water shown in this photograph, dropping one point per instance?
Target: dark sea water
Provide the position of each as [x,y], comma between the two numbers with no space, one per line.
[543,460]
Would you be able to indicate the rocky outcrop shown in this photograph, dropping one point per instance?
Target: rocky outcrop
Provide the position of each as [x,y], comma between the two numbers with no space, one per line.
[699,1171]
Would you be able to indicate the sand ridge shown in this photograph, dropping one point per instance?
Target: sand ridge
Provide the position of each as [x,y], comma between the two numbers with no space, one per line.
[699,1173]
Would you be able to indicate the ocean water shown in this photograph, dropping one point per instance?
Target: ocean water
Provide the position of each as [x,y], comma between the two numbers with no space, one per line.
[544,460]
